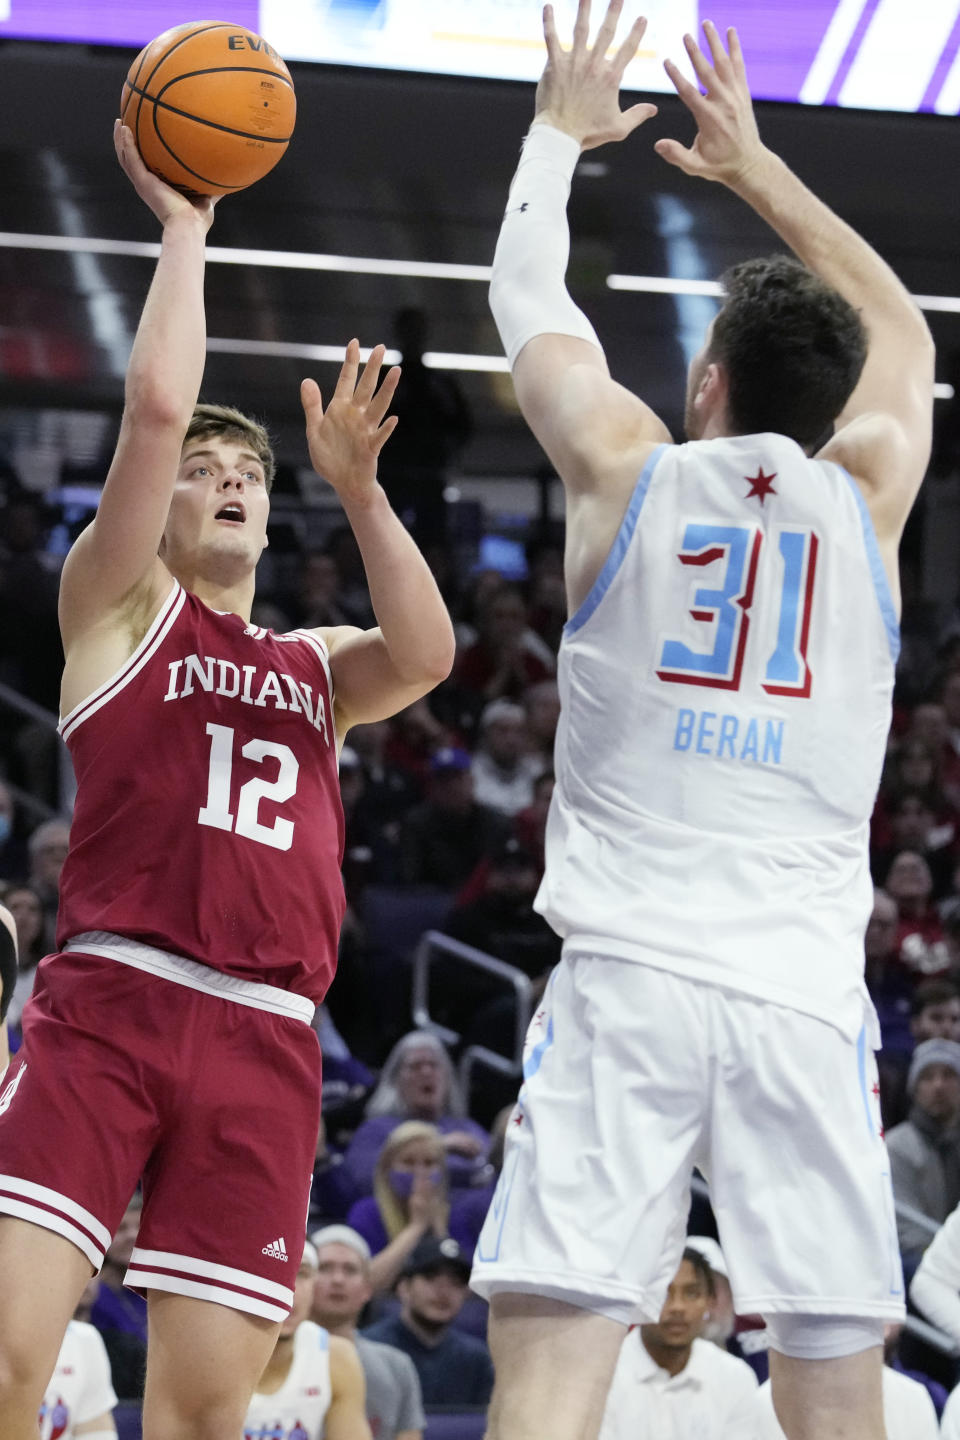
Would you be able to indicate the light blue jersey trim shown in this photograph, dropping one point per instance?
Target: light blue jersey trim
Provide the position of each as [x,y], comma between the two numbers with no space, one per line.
[862,1075]
[881,584]
[535,1059]
[619,548]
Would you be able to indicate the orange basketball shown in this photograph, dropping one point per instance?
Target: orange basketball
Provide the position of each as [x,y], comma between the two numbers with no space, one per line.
[211,106]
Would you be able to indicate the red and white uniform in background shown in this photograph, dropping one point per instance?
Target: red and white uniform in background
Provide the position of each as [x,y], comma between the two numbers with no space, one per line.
[80,1389]
[205,851]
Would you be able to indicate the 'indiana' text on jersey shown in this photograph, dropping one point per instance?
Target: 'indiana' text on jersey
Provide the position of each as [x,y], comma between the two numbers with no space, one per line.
[726,694]
[208,819]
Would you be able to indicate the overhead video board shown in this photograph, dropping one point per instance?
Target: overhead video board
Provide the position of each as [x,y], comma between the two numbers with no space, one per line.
[873,54]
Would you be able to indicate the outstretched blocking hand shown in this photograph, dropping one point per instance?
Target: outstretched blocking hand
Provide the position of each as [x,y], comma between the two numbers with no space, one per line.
[164,201]
[345,440]
[579,91]
[728,143]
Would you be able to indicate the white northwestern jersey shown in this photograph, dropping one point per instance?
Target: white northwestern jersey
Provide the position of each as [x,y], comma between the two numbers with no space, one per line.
[298,1409]
[726,696]
[80,1388]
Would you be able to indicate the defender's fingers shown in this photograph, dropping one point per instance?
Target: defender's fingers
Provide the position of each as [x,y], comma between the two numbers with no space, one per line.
[383,399]
[701,65]
[721,61]
[676,154]
[736,53]
[347,379]
[383,434]
[685,88]
[369,376]
[630,46]
[550,34]
[311,399]
[581,28]
[608,27]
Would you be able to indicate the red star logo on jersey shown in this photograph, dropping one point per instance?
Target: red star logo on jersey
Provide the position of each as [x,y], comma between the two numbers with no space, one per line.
[760,485]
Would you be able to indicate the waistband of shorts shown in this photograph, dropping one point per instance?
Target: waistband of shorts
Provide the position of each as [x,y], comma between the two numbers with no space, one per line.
[192,974]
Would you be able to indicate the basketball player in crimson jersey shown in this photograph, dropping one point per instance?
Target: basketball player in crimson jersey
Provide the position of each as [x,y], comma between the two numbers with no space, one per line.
[169,1040]
[726,678]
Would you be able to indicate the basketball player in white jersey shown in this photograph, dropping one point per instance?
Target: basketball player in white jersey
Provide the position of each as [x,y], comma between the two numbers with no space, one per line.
[313,1386]
[726,677]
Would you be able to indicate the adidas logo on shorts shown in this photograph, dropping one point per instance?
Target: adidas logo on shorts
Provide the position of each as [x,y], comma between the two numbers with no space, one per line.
[277,1249]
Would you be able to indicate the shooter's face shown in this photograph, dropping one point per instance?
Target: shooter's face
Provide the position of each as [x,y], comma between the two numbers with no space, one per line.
[217,522]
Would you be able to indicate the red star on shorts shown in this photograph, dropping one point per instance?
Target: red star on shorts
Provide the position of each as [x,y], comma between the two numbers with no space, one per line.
[760,485]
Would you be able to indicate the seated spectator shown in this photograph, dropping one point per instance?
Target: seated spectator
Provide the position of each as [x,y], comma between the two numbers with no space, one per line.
[935,1011]
[80,1397]
[530,825]
[502,922]
[443,839]
[332,1191]
[503,768]
[346,1080]
[507,656]
[915,825]
[312,1385]
[340,1293]
[925,1149]
[920,945]
[23,902]
[47,849]
[415,734]
[454,1369]
[318,602]
[120,1314]
[13,854]
[935,1288]
[410,1200]
[669,1381]
[541,705]
[908,1411]
[418,1083]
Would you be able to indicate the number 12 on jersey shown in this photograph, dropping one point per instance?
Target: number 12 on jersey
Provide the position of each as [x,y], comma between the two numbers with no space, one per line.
[217,813]
[727,607]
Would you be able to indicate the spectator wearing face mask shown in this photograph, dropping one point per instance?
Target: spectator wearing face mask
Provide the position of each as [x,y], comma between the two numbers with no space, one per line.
[410,1201]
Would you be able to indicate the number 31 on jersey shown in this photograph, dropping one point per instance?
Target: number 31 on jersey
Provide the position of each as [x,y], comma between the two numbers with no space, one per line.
[731,553]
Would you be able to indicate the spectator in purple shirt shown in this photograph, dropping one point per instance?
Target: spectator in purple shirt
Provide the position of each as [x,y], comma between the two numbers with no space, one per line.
[410,1201]
[418,1083]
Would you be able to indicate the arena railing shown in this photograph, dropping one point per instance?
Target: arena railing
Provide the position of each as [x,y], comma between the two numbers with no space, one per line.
[47,723]
[433,945]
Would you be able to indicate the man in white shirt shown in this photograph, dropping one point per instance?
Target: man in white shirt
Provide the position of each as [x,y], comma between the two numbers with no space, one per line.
[670,1384]
[908,1411]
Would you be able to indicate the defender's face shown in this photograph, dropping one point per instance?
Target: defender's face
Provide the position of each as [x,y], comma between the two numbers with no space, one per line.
[219,508]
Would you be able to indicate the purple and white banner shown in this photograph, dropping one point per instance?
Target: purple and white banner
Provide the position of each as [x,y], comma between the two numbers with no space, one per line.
[872,54]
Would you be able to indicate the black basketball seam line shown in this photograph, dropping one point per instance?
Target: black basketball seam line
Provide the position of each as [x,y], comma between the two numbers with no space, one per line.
[211,124]
[207,180]
[214,25]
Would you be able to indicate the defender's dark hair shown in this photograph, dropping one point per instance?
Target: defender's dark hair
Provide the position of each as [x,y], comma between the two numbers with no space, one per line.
[703,1268]
[792,347]
[226,423]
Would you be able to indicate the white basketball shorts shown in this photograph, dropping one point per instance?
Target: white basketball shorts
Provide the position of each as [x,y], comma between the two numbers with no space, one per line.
[633,1076]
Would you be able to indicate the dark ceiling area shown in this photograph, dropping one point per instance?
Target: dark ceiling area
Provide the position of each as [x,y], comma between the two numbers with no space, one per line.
[408,167]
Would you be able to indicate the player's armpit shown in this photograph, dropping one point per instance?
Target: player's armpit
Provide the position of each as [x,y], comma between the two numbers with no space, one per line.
[91,595]
[346,1418]
[367,685]
[585,420]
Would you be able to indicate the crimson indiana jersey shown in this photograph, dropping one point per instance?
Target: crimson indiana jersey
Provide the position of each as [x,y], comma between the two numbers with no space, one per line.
[208,819]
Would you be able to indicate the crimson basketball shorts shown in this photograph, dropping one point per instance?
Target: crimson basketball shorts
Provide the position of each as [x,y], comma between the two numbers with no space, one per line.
[204,1088]
[632,1077]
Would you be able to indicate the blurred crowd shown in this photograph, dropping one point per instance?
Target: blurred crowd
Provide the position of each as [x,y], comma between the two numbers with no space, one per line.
[445,810]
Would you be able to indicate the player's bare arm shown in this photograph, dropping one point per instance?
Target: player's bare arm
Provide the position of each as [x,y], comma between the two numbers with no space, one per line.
[883,436]
[113,581]
[380,671]
[346,1419]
